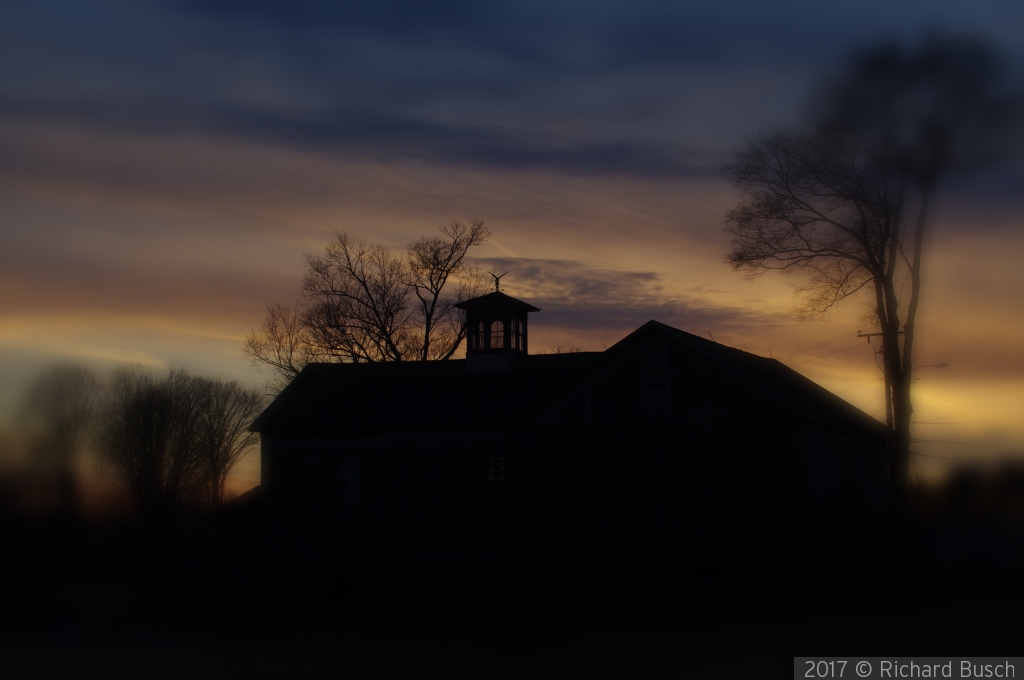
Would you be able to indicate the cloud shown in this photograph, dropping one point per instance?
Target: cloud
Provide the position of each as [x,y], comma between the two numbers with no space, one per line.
[377,137]
[613,88]
[584,298]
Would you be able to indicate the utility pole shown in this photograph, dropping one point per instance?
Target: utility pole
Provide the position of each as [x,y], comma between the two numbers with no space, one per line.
[890,430]
[885,374]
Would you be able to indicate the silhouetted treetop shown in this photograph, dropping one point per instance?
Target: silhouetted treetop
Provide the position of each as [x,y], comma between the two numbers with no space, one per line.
[363,302]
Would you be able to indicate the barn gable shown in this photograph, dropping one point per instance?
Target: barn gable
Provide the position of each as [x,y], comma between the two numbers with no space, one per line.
[660,354]
[670,428]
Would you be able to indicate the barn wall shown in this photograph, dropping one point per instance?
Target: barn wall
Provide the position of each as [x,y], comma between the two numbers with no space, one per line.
[439,490]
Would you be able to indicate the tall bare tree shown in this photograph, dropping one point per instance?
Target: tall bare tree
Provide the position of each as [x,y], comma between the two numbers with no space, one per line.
[365,303]
[846,200]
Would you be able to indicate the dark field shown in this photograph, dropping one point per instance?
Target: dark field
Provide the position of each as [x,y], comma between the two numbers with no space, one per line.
[181,605]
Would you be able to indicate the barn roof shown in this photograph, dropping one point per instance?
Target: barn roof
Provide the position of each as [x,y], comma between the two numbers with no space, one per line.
[414,395]
[384,397]
[794,392]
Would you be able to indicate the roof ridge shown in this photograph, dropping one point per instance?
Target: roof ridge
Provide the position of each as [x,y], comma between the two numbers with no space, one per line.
[805,382]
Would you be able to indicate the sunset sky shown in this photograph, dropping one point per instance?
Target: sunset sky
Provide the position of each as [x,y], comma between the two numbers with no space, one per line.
[165,165]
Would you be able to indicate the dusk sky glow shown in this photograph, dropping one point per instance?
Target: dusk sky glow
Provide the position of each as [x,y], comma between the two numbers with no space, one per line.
[165,165]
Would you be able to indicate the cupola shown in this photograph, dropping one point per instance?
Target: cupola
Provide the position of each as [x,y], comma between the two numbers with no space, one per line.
[496,330]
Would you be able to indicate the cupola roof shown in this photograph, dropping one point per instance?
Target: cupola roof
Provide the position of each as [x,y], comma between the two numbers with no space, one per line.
[497,299]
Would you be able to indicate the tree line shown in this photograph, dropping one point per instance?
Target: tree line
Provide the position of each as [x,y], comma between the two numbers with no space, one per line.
[170,441]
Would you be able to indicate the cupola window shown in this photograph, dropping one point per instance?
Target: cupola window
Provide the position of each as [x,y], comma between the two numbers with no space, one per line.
[497,335]
[477,338]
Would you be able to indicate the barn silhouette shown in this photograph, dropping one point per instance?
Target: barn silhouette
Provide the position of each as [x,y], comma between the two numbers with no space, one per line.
[663,442]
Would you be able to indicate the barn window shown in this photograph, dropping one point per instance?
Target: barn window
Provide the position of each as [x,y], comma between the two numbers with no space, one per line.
[400,470]
[350,480]
[495,468]
[657,353]
[656,402]
[497,335]
[307,460]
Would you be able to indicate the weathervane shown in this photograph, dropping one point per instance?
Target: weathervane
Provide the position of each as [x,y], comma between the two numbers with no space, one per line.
[497,280]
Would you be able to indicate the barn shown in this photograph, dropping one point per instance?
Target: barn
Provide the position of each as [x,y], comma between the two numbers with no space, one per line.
[662,442]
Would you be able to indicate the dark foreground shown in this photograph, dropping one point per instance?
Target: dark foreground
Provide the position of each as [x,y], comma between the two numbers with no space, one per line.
[728,642]
[192,603]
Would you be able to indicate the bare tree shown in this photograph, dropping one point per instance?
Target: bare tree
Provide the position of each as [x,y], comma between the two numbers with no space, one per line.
[283,343]
[173,441]
[358,302]
[151,435]
[846,200]
[366,303]
[227,411]
[62,401]
[432,261]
